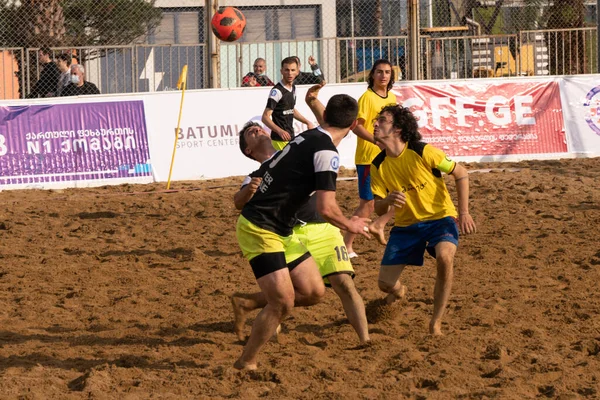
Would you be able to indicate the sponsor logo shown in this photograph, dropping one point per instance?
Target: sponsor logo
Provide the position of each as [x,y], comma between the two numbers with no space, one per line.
[592,114]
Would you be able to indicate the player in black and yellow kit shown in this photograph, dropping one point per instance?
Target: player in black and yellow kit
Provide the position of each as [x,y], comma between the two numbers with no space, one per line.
[281,110]
[264,230]
[407,182]
[323,240]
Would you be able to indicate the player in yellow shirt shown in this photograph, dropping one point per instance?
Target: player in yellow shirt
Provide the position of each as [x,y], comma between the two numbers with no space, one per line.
[378,94]
[407,182]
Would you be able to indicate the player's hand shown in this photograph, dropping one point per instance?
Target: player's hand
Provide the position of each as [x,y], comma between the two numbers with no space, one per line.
[310,125]
[313,92]
[466,225]
[359,226]
[311,60]
[285,136]
[254,184]
[396,199]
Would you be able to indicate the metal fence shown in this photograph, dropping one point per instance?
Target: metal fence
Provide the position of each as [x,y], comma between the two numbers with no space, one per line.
[141,45]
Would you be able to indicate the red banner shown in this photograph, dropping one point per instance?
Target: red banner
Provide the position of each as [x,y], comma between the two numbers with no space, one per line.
[485,119]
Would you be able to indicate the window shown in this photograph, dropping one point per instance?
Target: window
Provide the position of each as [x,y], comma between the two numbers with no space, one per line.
[282,23]
[178,27]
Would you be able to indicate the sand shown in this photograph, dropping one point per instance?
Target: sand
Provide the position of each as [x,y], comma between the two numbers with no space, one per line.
[122,292]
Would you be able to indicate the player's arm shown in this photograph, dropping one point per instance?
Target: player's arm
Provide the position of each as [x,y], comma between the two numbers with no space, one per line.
[362,132]
[301,118]
[328,208]
[246,192]
[268,121]
[393,199]
[461,178]
[314,103]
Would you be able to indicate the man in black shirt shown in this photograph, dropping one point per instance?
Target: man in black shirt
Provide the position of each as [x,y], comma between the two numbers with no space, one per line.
[308,78]
[46,85]
[323,240]
[280,111]
[79,86]
[264,230]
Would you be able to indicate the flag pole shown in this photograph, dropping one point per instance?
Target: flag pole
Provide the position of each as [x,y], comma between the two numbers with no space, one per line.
[181,85]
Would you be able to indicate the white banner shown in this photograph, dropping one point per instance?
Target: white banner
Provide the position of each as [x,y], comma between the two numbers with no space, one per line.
[208,145]
[581,109]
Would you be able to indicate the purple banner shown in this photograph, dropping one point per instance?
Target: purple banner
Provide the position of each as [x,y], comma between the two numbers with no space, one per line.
[72,142]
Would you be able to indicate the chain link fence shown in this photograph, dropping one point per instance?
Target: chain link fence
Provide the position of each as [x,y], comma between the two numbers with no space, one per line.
[141,46]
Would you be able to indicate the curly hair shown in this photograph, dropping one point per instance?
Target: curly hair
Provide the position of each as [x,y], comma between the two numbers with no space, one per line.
[404,120]
[371,79]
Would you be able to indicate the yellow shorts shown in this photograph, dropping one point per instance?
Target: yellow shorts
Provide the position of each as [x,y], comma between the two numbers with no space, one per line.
[326,245]
[267,251]
[278,145]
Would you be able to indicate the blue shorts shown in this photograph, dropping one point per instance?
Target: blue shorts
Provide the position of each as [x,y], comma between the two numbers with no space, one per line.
[364,182]
[407,245]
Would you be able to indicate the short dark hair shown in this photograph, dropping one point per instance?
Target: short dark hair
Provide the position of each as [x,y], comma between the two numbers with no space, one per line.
[341,111]
[243,143]
[289,60]
[372,72]
[46,50]
[64,57]
[404,120]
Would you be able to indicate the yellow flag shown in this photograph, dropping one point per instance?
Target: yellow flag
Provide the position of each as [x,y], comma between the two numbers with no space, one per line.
[182,78]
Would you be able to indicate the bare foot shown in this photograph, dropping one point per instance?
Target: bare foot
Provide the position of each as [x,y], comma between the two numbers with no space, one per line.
[376,230]
[397,295]
[435,328]
[242,365]
[239,316]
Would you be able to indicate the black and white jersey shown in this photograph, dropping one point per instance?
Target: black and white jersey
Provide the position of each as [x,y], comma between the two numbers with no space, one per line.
[309,162]
[282,102]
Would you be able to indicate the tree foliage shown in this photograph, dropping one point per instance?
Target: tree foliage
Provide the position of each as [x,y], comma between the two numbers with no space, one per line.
[63,23]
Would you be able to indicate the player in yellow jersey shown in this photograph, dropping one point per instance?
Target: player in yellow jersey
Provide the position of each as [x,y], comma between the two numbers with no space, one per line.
[407,182]
[378,94]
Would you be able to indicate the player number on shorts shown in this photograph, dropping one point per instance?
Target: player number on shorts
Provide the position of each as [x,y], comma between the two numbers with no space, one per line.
[3,148]
[342,253]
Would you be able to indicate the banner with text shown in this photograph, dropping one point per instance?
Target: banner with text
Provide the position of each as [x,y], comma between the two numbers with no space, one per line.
[86,142]
[581,97]
[488,119]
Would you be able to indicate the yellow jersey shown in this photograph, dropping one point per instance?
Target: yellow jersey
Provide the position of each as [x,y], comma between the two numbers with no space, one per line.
[369,105]
[416,172]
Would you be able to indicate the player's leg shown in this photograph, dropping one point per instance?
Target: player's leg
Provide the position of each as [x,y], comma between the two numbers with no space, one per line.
[308,285]
[326,245]
[444,241]
[389,282]
[279,291]
[366,205]
[405,247]
[353,304]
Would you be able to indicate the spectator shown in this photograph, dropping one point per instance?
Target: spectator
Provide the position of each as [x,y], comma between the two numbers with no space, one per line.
[79,86]
[309,78]
[46,85]
[63,61]
[259,76]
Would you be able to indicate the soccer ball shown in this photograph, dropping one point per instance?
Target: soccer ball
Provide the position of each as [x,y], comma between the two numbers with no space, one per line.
[228,24]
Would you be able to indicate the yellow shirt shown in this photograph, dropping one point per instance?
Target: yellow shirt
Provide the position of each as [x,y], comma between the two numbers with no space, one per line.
[369,105]
[416,172]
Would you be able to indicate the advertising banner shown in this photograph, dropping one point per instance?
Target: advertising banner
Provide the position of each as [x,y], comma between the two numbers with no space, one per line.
[207,140]
[473,118]
[581,97]
[86,142]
